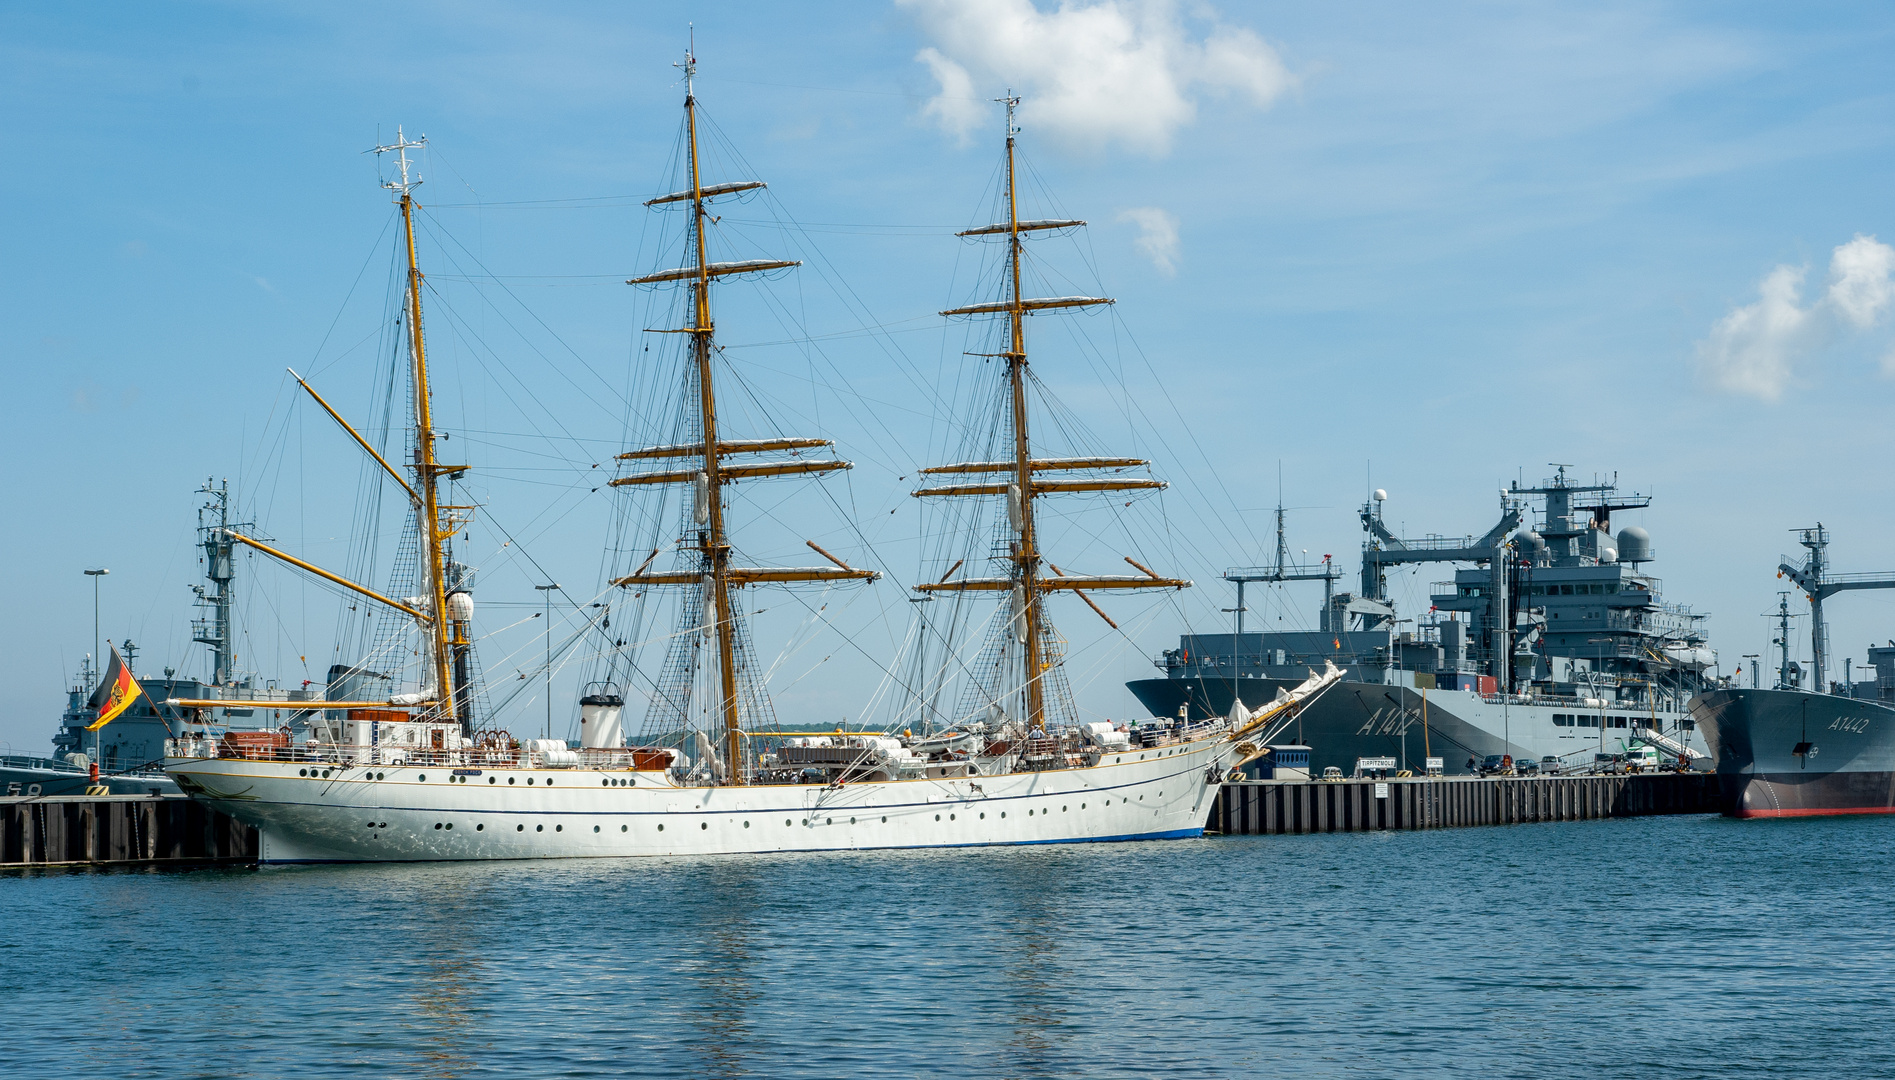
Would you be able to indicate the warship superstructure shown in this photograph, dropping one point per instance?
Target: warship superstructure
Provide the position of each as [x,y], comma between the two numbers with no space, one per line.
[129,751]
[1806,745]
[1551,641]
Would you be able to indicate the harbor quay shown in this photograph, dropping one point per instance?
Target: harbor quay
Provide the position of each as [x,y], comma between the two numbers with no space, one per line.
[97,830]
[1280,807]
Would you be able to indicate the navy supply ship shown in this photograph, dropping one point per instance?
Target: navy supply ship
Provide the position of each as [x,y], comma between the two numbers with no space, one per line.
[1555,643]
[129,750]
[1798,750]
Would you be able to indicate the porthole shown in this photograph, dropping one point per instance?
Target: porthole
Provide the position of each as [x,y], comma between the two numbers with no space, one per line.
[510,779]
[302,772]
[519,828]
[747,824]
[851,821]
[378,776]
[325,775]
[1082,806]
[491,779]
[437,824]
[559,828]
[529,780]
[702,825]
[603,782]
[884,820]
[625,828]
[383,825]
[661,828]
[828,821]
[1003,813]
[950,817]
[786,823]
[983,815]
[371,824]
[1062,809]
[539,828]
[595,828]
[450,825]
[1029,813]
[549,781]
[480,828]
[937,817]
[423,777]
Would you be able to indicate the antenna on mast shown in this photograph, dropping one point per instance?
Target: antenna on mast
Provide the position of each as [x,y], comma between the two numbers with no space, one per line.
[1011,101]
[400,147]
[689,64]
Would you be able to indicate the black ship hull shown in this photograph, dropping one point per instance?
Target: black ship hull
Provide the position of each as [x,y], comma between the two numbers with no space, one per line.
[1785,753]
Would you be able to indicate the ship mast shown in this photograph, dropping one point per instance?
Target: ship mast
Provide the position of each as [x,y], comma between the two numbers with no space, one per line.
[715,573]
[1026,583]
[442,639]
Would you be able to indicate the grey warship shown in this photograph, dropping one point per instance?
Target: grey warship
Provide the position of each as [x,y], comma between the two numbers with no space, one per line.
[1552,642]
[129,751]
[1807,746]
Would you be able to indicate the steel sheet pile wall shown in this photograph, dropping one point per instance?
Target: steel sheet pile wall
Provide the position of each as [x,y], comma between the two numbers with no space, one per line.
[78,830]
[1352,806]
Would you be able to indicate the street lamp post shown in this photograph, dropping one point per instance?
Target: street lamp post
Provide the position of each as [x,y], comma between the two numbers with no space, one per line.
[547,592]
[95,575]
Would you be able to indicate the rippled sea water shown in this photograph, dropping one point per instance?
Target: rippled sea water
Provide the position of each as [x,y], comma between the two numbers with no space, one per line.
[1694,946]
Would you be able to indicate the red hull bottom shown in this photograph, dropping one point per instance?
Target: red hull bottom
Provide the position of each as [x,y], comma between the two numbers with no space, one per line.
[1776,795]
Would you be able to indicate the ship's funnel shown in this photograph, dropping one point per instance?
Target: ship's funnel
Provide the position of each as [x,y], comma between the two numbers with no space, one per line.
[599,721]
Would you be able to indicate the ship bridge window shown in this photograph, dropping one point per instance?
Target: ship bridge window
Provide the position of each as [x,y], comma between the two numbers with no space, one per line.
[1562,719]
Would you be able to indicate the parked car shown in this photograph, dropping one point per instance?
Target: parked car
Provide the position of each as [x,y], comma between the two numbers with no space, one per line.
[1332,773]
[1550,765]
[1526,767]
[1493,764]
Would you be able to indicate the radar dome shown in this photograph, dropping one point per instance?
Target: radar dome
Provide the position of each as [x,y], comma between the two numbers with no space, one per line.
[1607,553]
[1528,539]
[1635,545]
[1381,495]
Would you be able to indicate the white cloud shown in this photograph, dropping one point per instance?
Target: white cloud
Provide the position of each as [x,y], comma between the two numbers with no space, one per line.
[1091,73]
[1757,349]
[1157,236]
[955,108]
[1859,280]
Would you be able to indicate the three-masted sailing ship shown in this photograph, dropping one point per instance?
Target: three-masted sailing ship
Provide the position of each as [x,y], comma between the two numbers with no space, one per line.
[416,777]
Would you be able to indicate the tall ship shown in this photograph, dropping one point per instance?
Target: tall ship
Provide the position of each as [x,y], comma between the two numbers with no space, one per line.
[417,771]
[129,750]
[1807,746]
[1552,641]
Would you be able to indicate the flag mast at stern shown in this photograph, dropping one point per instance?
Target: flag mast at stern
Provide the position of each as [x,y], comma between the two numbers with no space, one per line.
[443,637]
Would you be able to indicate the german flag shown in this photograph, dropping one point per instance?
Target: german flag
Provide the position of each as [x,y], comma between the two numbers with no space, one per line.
[115,694]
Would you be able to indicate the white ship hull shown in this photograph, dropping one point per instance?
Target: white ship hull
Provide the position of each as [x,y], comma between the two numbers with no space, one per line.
[389,813]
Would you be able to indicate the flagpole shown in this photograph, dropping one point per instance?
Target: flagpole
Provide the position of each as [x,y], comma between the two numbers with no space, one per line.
[95,575]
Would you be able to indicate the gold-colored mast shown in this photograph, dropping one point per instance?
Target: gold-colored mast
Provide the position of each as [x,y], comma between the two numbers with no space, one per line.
[1026,581]
[427,470]
[713,542]
[1026,556]
[715,548]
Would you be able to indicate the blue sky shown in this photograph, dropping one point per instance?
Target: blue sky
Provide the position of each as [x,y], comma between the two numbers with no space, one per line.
[1437,247]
